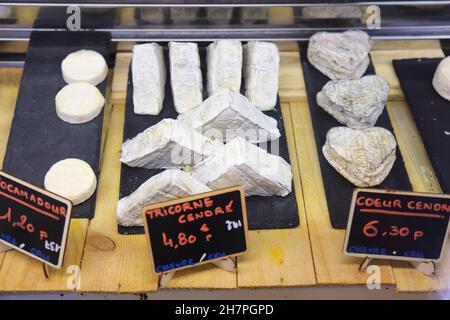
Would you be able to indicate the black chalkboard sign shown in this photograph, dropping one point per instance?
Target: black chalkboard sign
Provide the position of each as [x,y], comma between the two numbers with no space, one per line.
[198,229]
[33,221]
[397,225]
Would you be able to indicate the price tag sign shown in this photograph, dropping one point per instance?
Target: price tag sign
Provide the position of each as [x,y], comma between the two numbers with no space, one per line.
[33,221]
[197,229]
[397,225]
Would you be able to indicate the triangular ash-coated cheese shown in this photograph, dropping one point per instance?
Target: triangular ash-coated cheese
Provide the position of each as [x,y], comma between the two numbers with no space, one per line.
[169,184]
[149,78]
[227,115]
[167,144]
[242,163]
[355,103]
[363,157]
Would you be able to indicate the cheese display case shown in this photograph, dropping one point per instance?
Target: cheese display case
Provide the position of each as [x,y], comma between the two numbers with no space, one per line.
[123,106]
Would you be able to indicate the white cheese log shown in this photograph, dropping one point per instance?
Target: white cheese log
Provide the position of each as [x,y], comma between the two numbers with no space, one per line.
[149,78]
[224,63]
[84,66]
[72,179]
[227,115]
[168,185]
[167,144]
[245,164]
[185,75]
[262,67]
[79,102]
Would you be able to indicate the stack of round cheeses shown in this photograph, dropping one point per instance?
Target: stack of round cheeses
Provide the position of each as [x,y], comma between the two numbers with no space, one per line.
[78,102]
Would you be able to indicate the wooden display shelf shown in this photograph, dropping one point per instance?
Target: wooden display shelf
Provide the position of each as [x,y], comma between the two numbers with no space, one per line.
[309,255]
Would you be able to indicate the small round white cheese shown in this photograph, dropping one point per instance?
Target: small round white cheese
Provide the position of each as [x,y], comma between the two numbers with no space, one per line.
[79,102]
[72,179]
[441,79]
[84,66]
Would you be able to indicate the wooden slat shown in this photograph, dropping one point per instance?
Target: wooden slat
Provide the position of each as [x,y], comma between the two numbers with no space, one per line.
[124,258]
[332,267]
[292,86]
[280,258]
[20,273]
[9,87]
[204,277]
[114,262]
[13,46]
[409,45]
[417,163]
[281,15]
[120,77]
[126,16]
[26,15]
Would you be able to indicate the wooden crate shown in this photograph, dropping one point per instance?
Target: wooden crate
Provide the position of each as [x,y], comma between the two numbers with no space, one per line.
[309,255]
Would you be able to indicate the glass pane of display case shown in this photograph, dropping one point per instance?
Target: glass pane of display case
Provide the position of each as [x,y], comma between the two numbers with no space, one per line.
[270,20]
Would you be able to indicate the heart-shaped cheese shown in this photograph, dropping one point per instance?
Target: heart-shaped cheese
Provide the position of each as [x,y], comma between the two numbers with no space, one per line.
[355,103]
[364,157]
[340,55]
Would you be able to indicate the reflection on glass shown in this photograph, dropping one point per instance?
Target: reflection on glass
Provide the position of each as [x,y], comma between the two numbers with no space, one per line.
[219,15]
[6,13]
[135,22]
[153,15]
[251,15]
[332,12]
[184,15]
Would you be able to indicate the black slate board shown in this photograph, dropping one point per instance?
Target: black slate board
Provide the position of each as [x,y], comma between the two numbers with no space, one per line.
[430,111]
[263,212]
[337,189]
[38,138]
